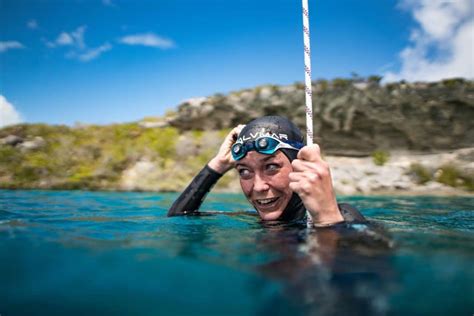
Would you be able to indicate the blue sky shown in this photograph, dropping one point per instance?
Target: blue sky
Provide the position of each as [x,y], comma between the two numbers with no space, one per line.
[105,61]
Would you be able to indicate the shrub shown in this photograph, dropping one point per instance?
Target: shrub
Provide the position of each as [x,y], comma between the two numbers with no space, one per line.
[423,175]
[341,83]
[380,157]
[81,173]
[7,155]
[323,84]
[299,85]
[161,141]
[392,86]
[274,88]
[374,79]
[197,135]
[26,175]
[453,82]
[469,183]
[448,175]
[452,176]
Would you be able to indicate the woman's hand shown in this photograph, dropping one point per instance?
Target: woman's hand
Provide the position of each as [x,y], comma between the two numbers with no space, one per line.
[223,161]
[311,180]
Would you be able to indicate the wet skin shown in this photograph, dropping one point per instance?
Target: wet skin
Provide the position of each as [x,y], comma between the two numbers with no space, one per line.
[265,182]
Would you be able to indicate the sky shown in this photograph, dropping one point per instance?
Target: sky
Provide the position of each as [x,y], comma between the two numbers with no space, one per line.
[114,61]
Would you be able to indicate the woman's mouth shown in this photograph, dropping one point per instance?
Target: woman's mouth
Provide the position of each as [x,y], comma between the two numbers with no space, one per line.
[267,203]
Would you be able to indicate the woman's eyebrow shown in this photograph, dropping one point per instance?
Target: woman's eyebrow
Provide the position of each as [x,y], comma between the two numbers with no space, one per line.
[269,157]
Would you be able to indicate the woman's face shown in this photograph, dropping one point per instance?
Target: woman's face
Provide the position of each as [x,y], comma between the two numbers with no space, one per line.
[265,183]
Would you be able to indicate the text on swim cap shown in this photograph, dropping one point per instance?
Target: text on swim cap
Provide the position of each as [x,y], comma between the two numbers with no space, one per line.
[261,134]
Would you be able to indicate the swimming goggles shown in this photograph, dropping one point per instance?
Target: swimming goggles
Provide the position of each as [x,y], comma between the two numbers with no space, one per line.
[265,145]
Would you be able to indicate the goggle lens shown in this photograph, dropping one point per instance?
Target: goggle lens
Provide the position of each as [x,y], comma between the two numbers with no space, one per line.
[264,145]
[238,151]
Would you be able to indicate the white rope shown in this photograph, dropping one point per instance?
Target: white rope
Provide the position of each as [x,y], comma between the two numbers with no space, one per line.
[307,70]
[308,87]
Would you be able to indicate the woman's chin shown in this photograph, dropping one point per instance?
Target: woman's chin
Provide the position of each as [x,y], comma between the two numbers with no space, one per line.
[269,216]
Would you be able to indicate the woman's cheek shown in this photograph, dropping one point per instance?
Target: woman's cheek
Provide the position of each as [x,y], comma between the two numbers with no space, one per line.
[246,186]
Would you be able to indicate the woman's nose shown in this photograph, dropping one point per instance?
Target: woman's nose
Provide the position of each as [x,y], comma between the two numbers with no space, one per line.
[260,184]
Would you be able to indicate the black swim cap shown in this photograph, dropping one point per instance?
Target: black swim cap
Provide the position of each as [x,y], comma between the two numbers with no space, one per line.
[277,126]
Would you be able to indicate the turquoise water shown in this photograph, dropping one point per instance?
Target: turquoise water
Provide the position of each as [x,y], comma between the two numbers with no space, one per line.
[95,253]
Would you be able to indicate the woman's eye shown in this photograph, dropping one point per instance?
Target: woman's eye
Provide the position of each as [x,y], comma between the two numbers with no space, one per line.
[273,167]
[244,173]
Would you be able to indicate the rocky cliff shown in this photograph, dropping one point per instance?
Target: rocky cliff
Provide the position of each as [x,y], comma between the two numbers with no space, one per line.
[351,117]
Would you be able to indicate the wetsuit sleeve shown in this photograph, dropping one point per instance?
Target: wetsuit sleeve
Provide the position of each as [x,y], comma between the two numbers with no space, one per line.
[350,213]
[192,197]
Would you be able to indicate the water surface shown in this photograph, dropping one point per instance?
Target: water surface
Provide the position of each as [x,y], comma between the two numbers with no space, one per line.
[79,253]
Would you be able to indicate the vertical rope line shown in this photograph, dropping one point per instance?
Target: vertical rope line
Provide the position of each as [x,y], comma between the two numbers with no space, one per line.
[308,86]
[307,70]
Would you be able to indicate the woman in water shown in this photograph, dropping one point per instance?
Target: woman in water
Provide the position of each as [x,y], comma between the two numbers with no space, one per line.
[281,178]
[340,269]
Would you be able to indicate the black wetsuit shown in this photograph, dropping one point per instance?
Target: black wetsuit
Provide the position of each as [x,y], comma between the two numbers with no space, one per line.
[192,197]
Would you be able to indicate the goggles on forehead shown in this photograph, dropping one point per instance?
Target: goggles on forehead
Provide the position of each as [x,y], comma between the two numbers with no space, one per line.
[265,145]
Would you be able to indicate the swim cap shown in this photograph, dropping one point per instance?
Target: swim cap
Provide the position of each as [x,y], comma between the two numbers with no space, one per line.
[275,126]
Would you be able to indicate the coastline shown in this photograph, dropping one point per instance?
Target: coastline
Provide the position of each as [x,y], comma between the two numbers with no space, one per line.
[393,139]
[450,192]
[404,173]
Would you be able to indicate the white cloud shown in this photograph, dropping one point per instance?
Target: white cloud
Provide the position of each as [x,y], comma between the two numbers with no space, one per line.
[79,50]
[442,45]
[32,24]
[91,54]
[64,39]
[7,45]
[78,36]
[8,114]
[74,38]
[147,39]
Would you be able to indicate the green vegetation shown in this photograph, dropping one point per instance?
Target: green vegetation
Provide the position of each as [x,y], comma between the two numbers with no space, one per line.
[299,85]
[453,82]
[374,79]
[380,157]
[341,83]
[274,88]
[392,86]
[323,84]
[450,175]
[100,157]
[447,174]
[422,173]
[95,157]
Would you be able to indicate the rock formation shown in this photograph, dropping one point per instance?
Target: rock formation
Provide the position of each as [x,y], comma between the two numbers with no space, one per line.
[351,117]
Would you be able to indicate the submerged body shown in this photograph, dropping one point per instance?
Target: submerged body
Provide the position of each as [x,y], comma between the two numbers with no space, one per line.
[325,252]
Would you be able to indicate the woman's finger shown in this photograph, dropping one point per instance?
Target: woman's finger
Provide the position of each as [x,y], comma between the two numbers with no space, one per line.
[302,165]
[310,153]
[296,176]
